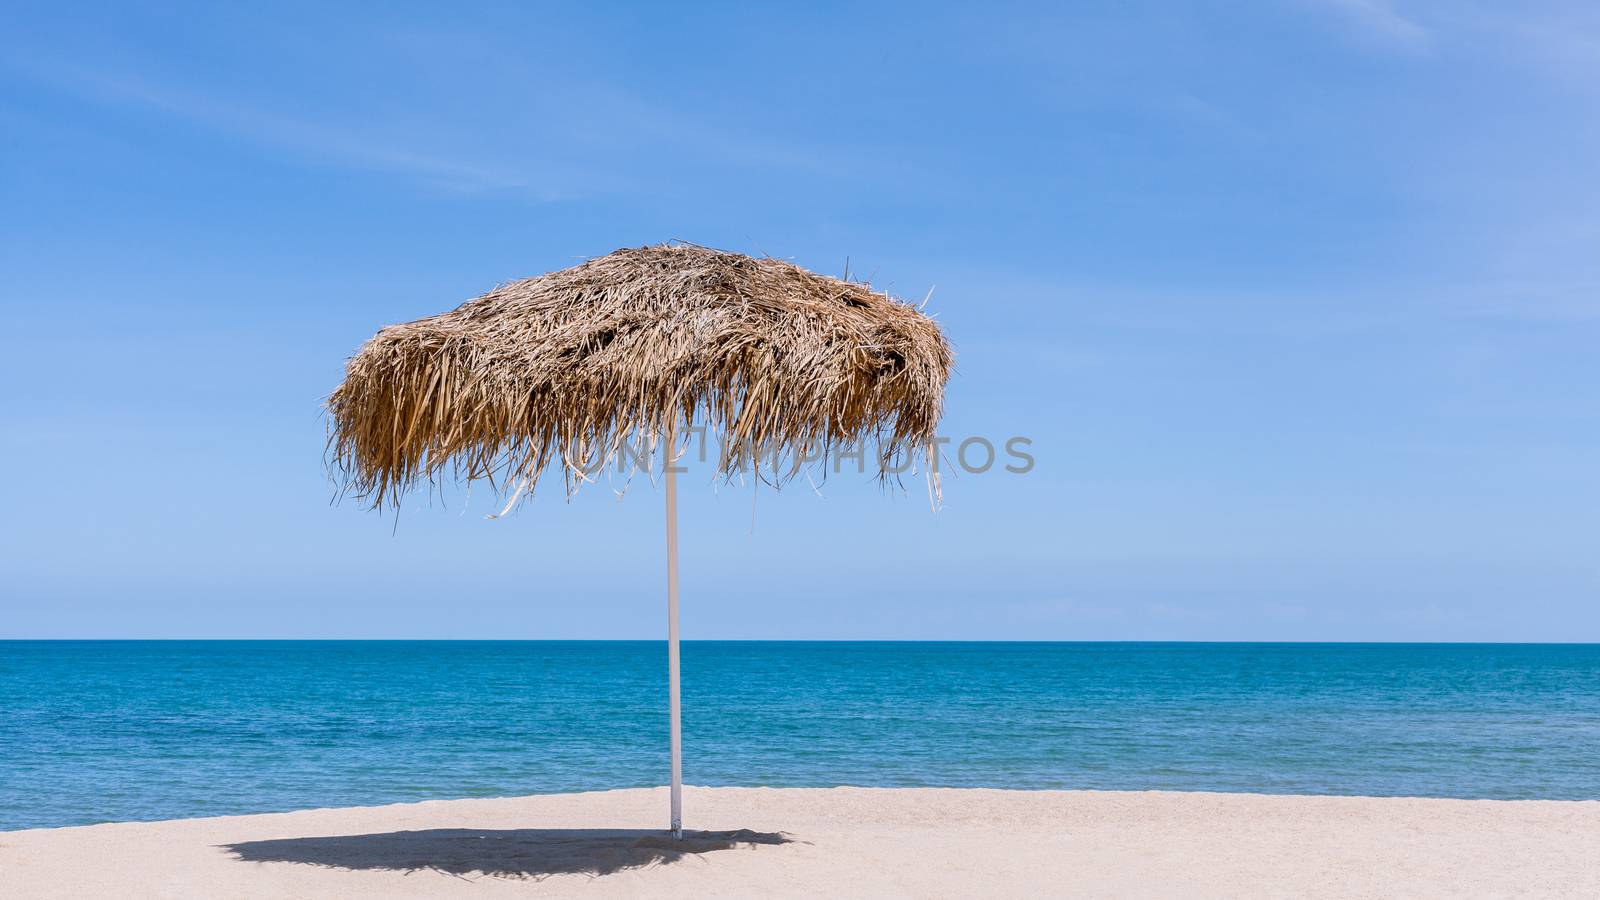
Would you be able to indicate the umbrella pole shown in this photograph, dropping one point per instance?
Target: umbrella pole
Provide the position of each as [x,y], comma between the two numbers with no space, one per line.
[670,456]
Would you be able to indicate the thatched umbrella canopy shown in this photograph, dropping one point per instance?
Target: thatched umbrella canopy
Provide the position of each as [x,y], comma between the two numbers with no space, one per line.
[561,367]
[556,369]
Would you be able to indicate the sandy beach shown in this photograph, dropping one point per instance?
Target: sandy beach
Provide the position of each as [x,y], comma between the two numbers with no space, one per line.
[840,842]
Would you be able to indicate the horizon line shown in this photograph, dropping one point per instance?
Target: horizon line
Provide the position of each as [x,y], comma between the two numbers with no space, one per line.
[391,640]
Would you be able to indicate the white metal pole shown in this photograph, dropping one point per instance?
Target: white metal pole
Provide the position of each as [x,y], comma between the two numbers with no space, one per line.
[669,457]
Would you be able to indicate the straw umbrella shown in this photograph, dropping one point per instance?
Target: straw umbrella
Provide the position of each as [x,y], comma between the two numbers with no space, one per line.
[565,370]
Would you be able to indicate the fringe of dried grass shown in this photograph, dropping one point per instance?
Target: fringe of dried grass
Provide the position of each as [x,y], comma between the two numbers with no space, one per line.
[562,368]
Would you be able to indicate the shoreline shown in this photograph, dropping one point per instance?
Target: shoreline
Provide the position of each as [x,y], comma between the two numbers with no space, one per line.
[601,792]
[844,841]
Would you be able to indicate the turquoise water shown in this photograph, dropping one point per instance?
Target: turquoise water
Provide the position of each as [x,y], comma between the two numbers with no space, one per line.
[98,731]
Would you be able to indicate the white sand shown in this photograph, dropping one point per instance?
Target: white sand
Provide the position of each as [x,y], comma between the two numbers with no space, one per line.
[843,842]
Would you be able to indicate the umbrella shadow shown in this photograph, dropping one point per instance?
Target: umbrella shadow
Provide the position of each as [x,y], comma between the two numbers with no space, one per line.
[502,853]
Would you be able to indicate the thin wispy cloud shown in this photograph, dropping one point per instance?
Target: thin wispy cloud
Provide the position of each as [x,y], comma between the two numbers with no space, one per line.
[1380,20]
[554,147]
[321,142]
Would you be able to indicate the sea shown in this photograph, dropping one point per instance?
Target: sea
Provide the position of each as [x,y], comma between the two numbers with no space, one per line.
[130,730]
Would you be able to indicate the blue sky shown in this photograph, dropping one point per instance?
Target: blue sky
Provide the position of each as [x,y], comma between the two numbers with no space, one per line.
[1296,301]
